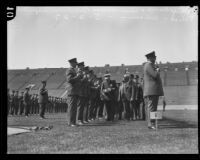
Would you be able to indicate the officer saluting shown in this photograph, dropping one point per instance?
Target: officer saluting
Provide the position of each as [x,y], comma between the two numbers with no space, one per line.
[152,86]
[72,86]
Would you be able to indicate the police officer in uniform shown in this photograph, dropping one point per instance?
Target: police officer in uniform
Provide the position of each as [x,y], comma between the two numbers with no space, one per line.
[43,99]
[72,81]
[26,100]
[21,103]
[16,101]
[152,87]
[9,99]
[81,100]
[12,103]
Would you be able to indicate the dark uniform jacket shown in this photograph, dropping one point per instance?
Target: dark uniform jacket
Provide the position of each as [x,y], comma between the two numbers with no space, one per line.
[152,81]
[26,98]
[93,89]
[106,94]
[72,82]
[16,99]
[43,95]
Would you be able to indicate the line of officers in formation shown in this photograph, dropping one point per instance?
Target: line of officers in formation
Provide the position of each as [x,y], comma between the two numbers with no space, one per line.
[26,104]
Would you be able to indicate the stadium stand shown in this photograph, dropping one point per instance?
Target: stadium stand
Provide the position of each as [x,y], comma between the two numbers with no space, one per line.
[180,87]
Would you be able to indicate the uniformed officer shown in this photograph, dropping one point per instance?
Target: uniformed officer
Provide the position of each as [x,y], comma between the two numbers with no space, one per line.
[43,99]
[108,88]
[99,100]
[32,104]
[152,87]
[81,100]
[86,94]
[16,101]
[12,103]
[26,100]
[93,94]
[72,87]
[8,101]
[21,103]
[37,104]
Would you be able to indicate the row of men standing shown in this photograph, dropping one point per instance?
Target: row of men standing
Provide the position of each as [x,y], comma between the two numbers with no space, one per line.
[25,103]
[87,95]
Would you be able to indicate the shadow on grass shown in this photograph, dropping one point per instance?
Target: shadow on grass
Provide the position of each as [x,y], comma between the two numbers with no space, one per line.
[173,123]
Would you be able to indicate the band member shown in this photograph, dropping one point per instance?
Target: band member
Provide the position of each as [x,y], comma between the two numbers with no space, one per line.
[152,87]
[72,87]
[43,99]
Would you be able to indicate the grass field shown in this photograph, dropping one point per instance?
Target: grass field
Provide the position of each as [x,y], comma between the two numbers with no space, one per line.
[177,133]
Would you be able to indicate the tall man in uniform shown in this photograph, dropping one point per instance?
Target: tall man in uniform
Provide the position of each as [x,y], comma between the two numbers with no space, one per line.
[81,100]
[16,101]
[12,102]
[43,99]
[21,103]
[8,102]
[26,101]
[72,86]
[152,87]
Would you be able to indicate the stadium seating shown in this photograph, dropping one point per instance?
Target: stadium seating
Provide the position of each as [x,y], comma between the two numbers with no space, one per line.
[178,84]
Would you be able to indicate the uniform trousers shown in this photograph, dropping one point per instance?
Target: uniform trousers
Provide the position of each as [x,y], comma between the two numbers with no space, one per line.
[151,103]
[109,109]
[16,108]
[12,108]
[100,111]
[80,108]
[72,109]
[21,108]
[8,107]
[92,105]
[42,109]
[86,108]
[26,108]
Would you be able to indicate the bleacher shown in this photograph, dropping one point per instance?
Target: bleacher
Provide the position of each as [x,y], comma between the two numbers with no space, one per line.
[19,79]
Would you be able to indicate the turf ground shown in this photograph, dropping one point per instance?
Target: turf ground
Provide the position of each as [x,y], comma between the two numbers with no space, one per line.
[177,133]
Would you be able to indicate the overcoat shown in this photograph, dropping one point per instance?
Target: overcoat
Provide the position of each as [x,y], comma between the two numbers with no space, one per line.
[72,82]
[43,96]
[152,81]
